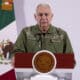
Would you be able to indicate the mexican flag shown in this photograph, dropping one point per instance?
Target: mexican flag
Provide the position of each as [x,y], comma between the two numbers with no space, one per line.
[7,31]
[6,13]
[7,20]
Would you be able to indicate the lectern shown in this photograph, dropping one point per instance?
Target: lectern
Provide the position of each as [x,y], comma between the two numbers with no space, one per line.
[64,66]
[24,60]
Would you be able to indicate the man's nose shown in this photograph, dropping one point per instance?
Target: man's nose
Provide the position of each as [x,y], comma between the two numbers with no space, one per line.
[43,17]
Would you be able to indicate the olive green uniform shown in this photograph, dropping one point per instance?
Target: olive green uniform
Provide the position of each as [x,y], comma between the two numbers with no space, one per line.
[31,39]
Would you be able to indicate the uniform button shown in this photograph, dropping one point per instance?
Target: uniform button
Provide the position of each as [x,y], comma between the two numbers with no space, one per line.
[39,45]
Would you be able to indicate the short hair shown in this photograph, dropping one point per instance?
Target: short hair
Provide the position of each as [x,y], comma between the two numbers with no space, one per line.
[45,5]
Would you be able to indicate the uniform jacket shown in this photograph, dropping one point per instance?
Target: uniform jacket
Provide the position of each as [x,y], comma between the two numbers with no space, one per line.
[31,39]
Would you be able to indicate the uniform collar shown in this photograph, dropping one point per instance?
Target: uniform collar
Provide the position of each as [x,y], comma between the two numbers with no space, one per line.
[50,30]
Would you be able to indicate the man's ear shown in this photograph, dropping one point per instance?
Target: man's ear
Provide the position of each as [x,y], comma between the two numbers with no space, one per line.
[35,17]
[52,15]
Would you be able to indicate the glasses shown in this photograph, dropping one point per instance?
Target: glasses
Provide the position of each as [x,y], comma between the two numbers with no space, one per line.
[41,14]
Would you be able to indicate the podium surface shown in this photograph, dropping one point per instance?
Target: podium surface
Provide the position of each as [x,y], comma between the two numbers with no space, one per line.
[24,60]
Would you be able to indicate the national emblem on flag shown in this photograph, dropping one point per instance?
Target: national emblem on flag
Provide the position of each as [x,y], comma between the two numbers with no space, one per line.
[7,4]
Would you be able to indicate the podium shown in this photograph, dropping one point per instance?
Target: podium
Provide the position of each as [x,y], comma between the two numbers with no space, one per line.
[64,67]
[24,60]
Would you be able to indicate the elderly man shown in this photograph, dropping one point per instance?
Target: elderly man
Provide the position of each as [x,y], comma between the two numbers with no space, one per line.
[43,35]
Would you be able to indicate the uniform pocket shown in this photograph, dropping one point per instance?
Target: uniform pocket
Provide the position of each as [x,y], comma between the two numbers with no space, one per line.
[32,45]
[57,45]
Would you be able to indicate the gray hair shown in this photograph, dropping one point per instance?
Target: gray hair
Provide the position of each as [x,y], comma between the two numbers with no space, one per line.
[44,5]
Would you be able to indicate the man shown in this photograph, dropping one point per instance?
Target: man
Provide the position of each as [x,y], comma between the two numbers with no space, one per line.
[43,36]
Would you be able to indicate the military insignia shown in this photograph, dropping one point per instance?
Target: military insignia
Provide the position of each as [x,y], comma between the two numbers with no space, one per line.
[7,5]
[57,38]
[44,61]
[61,37]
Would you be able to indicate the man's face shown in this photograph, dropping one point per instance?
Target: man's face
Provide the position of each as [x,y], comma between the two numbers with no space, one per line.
[43,17]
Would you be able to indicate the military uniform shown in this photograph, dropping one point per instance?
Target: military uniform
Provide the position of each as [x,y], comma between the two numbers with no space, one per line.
[31,39]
